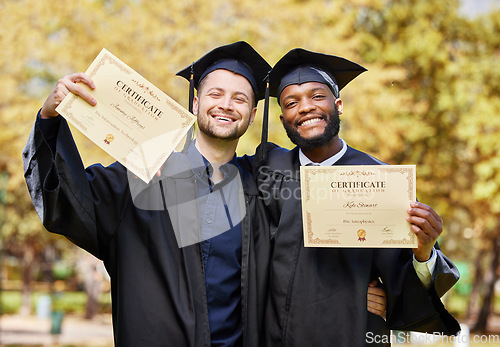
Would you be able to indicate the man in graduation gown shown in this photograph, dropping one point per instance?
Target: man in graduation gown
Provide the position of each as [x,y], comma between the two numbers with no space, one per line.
[318,295]
[181,251]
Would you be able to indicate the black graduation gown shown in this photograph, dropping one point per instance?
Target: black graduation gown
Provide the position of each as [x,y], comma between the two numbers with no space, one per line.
[318,295]
[158,289]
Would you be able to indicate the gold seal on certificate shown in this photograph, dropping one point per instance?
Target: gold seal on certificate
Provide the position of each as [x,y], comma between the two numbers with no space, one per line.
[133,121]
[358,206]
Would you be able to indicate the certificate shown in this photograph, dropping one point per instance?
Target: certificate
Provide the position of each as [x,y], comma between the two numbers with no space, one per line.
[133,121]
[358,206]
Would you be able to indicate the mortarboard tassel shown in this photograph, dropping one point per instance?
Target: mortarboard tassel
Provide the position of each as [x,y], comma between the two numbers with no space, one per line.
[191,89]
[190,133]
[265,122]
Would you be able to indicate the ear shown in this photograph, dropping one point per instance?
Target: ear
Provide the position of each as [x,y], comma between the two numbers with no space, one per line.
[195,105]
[252,115]
[340,105]
[282,119]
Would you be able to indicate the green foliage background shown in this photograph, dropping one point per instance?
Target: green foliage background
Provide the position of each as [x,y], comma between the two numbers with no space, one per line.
[430,96]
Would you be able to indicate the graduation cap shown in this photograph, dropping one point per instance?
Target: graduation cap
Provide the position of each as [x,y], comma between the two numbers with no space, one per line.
[238,57]
[300,66]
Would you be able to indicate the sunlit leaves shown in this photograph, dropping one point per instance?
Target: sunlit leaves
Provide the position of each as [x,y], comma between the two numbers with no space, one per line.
[430,95]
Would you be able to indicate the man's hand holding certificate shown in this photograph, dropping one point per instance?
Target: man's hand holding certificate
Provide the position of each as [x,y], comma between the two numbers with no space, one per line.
[132,120]
[358,206]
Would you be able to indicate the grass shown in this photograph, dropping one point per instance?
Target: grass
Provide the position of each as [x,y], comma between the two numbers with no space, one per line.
[68,302]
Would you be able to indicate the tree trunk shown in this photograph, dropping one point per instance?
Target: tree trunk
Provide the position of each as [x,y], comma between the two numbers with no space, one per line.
[482,319]
[27,266]
[92,282]
[472,308]
[93,290]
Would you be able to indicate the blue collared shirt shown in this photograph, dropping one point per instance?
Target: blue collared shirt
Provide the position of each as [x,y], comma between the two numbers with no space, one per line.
[221,208]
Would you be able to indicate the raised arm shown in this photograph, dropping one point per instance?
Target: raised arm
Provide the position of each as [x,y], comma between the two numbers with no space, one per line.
[85,205]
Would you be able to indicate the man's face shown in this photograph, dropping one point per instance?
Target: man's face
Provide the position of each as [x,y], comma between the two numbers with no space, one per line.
[310,114]
[224,105]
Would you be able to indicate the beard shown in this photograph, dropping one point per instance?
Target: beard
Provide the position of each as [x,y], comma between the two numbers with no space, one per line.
[212,131]
[331,130]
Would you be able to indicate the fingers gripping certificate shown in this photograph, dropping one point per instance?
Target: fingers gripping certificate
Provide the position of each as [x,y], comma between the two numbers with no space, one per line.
[133,121]
[358,206]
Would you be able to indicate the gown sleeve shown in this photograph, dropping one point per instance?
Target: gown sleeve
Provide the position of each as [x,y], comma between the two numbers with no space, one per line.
[85,205]
[410,306]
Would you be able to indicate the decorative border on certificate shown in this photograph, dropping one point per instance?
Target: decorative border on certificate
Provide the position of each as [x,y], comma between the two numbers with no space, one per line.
[405,241]
[133,120]
[107,56]
[308,175]
[310,235]
[358,206]
[409,172]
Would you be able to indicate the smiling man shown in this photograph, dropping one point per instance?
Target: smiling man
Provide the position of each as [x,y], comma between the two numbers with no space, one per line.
[318,295]
[182,251]
[233,109]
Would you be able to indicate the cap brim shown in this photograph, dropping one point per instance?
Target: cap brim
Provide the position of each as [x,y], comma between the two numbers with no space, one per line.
[342,69]
[240,51]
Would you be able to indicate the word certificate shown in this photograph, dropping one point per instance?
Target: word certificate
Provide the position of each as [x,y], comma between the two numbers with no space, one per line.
[358,206]
[133,121]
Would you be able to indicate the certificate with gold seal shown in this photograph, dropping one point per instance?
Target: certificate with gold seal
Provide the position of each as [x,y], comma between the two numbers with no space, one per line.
[133,121]
[358,206]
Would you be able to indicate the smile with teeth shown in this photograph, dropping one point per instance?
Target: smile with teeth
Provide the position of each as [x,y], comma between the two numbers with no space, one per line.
[224,118]
[311,121]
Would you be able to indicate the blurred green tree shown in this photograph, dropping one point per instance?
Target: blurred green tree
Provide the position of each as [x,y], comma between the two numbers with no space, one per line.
[441,116]
[430,96]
